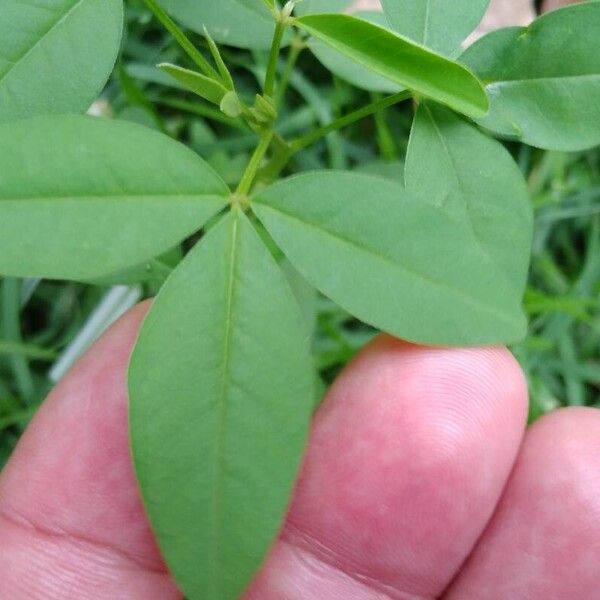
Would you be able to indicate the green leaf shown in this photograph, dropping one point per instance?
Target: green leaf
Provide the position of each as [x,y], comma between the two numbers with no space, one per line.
[240,23]
[396,263]
[544,80]
[348,70]
[472,178]
[150,272]
[220,401]
[55,56]
[312,7]
[393,170]
[153,272]
[306,295]
[221,66]
[82,197]
[437,24]
[203,86]
[400,60]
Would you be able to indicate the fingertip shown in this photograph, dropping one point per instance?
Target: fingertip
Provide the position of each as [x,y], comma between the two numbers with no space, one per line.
[450,391]
[544,540]
[407,459]
[571,427]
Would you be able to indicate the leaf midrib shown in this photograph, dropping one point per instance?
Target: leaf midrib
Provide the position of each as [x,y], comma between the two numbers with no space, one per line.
[53,26]
[548,79]
[390,72]
[381,257]
[426,22]
[115,198]
[223,411]
[466,211]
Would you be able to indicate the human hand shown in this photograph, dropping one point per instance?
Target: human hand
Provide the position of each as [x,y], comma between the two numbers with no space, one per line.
[405,491]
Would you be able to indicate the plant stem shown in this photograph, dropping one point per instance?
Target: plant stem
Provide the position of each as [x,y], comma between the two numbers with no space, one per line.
[280,156]
[312,137]
[18,417]
[11,310]
[285,151]
[296,48]
[251,170]
[182,40]
[200,109]
[269,87]
[385,139]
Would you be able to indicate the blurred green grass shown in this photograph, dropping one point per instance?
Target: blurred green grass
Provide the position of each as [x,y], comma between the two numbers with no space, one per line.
[561,355]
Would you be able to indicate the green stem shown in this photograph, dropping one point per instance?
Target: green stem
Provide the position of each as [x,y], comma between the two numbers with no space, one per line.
[11,310]
[12,348]
[286,151]
[182,40]
[252,169]
[201,110]
[296,48]
[18,417]
[312,137]
[269,87]
[279,158]
[385,139]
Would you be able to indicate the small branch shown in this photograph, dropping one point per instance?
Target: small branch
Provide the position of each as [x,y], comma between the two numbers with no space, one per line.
[296,48]
[279,158]
[366,111]
[269,86]
[285,151]
[385,139]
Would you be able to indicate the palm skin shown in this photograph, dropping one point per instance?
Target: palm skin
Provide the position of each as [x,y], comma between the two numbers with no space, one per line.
[420,482]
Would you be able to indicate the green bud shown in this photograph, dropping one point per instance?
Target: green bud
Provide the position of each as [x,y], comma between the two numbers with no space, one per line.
[231,105]
[265,108]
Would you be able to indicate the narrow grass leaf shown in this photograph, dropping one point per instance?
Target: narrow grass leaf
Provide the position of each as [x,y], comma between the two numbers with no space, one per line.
[11,348]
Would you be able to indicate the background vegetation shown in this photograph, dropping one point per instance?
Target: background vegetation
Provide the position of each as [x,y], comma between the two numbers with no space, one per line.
[39,320]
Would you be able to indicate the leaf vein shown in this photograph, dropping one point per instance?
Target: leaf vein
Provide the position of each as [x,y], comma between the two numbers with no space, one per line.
[469,218]
[469,300]
[113,197]
[52,26]
[223,407]
[547,79]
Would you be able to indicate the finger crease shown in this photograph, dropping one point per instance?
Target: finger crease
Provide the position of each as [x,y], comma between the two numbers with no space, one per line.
[305,542]
[17,519]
